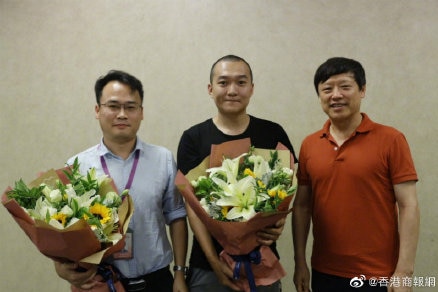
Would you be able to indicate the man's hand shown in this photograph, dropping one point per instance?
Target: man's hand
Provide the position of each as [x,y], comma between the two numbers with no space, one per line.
[81,279]
[269,235]
[224,274]
[302,277]
[179,282]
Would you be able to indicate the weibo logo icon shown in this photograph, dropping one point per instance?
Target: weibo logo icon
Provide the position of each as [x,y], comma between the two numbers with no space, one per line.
[357,282]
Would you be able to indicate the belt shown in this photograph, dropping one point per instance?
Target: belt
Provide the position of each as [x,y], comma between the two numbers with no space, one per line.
[142,281]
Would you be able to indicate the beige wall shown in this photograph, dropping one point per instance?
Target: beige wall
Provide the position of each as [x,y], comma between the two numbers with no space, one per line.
[51,52]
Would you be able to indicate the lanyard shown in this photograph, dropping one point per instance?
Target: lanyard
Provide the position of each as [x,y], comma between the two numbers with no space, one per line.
[133,169]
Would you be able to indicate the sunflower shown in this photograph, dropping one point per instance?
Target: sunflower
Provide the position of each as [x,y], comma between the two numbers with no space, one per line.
[102,212]
[60,217]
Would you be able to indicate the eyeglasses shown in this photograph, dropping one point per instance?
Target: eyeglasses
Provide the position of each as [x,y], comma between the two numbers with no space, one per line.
[115,107]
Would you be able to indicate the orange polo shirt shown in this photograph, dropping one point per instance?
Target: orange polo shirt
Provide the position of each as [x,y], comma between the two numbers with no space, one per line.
[355,220]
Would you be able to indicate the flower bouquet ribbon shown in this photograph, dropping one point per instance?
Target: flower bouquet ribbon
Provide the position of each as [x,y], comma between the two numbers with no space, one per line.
[78,242]
[252,265]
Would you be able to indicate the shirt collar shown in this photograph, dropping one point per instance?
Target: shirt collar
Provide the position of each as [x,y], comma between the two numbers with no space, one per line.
[365,126]
[103,150]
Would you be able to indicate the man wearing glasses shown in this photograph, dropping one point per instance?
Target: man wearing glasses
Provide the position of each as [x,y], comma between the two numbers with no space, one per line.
[148,171]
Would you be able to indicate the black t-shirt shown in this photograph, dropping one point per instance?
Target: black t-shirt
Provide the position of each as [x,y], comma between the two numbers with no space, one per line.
[195,145]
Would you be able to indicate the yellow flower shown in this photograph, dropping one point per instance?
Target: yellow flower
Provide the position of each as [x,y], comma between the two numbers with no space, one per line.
[224,211]
[282,194]
[102,212]
[261,184]
[249,172]
[60,217]
[272,192]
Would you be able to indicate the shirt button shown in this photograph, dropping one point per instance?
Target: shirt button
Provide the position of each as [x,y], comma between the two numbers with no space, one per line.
[336,148]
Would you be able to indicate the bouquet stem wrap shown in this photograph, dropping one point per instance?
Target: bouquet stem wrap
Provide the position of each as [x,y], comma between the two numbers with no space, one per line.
[239,239]
[253,257]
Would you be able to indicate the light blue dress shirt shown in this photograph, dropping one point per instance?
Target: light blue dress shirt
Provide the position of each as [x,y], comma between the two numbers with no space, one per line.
[157,201]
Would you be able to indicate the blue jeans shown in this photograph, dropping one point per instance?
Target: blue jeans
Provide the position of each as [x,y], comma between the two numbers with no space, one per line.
[200,280]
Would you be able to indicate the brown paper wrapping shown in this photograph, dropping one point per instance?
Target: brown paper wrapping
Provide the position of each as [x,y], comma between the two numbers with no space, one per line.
[239,238]
[77,243]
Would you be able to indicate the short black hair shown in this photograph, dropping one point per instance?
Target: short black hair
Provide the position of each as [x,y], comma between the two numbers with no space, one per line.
[231,58]
[122,77]
[339,65]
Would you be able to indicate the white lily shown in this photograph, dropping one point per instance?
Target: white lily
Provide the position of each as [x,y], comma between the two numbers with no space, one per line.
[70,191]
[67,211]
[72,221]
[196,182]
[42,209]
[261,166]
[240,195]
[55,196]
[103,179]
[86,199]
[111,198]
[114,216]
[56,224]
[46,190]
[229,169]
[204,205]
[288,171]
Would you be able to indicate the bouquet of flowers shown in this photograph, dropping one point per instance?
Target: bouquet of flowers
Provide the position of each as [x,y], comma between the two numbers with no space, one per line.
[237,191]
[71,216]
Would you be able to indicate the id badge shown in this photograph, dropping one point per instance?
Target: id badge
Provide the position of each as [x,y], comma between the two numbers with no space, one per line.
[127,251]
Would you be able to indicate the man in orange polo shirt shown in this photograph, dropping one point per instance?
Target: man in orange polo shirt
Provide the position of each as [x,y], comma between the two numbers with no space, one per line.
[357,185]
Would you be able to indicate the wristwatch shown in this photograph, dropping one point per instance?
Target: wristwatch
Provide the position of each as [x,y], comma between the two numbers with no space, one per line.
[181,268]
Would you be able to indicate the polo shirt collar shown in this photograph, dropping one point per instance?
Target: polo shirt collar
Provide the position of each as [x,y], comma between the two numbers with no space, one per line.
[365,126]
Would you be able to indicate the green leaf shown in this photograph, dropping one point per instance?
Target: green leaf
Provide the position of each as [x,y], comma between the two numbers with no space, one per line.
[26,197]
